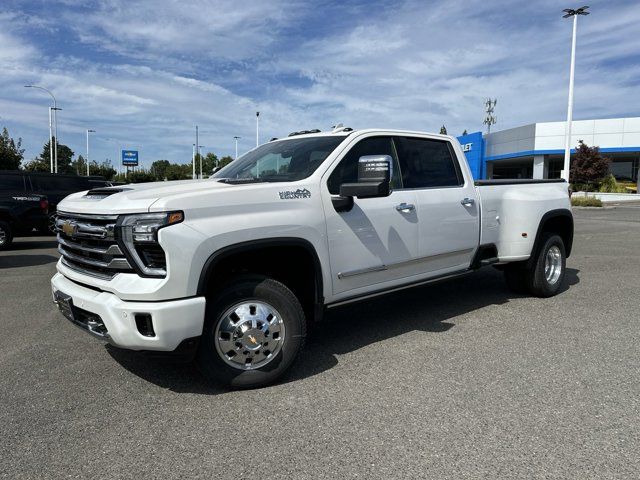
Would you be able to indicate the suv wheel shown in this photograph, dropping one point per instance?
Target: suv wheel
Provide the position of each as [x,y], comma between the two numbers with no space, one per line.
[254,330]
[6,235]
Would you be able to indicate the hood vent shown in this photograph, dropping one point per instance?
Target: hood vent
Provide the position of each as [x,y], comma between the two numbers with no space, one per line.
[99,193]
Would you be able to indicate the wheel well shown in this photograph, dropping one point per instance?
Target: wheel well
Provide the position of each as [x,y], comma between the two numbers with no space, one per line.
[559,222]
[293,263]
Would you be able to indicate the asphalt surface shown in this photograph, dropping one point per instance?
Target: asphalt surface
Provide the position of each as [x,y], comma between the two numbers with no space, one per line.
[457,380]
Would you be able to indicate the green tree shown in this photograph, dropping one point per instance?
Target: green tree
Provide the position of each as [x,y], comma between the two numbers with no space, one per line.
[42,163]
[209,162]
[224,161]
[443,130]
[178,172]
[159,168]
[588,166]
[80,165]
[103,169]
[11,153]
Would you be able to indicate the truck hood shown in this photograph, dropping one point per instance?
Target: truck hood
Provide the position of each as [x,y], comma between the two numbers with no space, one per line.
[133,198]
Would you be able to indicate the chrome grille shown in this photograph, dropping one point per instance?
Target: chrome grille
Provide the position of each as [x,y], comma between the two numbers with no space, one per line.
[88,245]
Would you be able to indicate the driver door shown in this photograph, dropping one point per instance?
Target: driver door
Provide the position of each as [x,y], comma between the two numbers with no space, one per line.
[376,241]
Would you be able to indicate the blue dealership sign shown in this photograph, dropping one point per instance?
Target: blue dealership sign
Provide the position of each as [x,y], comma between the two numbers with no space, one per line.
[473,148]
[130,158]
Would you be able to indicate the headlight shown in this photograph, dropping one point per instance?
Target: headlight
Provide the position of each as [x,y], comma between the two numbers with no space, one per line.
[138,238]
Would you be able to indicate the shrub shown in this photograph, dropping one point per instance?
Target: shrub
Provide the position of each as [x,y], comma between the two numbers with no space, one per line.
[610,185]
[586,202]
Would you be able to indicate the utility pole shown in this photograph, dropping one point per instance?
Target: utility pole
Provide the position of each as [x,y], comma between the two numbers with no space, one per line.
[236,138]
[257,128]
[193,161]
[50,141]
[88,132]
[567,141]
[54,158]
[490,119]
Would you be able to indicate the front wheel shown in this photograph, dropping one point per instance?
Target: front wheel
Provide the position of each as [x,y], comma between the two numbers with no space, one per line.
[254,330]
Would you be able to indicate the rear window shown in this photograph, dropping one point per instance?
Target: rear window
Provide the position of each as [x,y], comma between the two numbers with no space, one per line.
[53,183]
[427,163]
[13,183]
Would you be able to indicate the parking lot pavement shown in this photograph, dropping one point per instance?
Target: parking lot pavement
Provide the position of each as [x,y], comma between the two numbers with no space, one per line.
[456,380]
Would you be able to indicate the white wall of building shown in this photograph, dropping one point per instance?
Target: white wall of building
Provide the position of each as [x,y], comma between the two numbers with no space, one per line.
[604,133]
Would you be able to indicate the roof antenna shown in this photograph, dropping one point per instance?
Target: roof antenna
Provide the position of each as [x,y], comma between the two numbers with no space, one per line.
[337,128]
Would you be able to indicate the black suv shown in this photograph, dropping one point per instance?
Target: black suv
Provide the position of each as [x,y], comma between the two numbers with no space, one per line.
[54,186]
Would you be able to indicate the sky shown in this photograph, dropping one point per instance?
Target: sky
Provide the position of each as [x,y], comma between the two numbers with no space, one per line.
[143,73]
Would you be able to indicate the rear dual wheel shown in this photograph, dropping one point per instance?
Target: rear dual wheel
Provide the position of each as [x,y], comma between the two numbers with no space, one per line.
[544,277]
[254,330]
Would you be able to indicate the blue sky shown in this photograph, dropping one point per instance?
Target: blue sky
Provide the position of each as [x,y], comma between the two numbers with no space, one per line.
[143,73]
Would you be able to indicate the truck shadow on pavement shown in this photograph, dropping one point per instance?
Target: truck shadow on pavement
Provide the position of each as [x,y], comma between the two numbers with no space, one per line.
[34,244]
[432,309]
[17,261]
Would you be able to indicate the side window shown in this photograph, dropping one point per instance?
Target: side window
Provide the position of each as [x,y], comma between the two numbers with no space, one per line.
[347,170]
[12,183]
[427,163]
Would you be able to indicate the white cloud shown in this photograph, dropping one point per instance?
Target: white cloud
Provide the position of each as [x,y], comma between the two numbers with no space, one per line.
[145,72]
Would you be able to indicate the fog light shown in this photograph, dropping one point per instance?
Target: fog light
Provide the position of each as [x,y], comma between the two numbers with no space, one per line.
[145,325]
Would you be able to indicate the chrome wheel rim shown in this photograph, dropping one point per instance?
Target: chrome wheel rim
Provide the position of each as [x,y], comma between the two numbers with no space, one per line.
[553,265]
[3,236]
[249,335]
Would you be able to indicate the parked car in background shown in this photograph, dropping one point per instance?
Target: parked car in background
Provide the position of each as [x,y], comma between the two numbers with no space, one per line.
[54,186]
[21,214]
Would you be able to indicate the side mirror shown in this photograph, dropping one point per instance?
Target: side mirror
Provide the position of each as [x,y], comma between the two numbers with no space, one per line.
[374,178]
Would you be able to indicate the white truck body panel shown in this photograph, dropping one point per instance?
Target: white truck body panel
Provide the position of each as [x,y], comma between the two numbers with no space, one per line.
[371,248]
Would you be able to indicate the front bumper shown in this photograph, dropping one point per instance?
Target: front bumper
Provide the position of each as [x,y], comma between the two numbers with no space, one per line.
[173,320]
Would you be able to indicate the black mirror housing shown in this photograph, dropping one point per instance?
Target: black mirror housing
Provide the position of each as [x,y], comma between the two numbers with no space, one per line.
[374,178]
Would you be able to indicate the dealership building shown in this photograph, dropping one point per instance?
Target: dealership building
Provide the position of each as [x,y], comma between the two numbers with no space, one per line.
[537,150]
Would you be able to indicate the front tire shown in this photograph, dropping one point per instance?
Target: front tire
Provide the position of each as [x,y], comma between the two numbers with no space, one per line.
[253,332]
[6,236]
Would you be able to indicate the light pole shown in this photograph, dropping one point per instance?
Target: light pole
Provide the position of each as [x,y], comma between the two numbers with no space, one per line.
[236,138]
[51,148]
[193,161]
[567,140]
[257,128]
[88,132]
[200,158]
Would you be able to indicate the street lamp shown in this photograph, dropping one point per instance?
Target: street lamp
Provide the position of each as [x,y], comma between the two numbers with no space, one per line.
[257,128]
[567,141]
[53,159]
[88,132]
[236,138]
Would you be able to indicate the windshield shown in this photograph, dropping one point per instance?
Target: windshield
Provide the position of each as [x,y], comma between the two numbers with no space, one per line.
[281,161]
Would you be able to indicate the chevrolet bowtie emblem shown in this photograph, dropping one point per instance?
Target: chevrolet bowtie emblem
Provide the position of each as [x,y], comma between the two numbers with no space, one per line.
[253,339]
[69,229]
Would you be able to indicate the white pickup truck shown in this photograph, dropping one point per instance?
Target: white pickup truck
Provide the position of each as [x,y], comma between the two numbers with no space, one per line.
[233,268]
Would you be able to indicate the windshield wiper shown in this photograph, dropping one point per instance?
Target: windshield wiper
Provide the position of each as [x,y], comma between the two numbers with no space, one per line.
[235,181]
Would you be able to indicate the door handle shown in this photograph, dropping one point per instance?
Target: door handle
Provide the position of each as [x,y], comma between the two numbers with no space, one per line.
[467,202]
[405,207]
